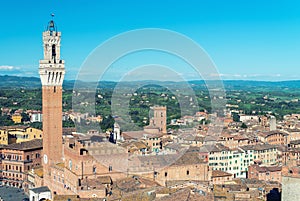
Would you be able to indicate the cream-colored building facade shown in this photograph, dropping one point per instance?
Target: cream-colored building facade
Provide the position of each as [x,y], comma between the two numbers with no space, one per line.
[18,134]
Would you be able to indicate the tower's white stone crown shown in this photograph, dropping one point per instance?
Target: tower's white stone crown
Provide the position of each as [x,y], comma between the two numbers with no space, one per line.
[52,68]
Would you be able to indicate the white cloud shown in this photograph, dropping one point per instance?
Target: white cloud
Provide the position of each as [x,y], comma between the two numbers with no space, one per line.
[7,67]
[21,71]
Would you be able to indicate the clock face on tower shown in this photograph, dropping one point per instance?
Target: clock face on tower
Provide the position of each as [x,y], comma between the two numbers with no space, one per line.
[45,159]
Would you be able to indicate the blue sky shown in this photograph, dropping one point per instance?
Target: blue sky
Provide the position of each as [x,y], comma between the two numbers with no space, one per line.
[256,40]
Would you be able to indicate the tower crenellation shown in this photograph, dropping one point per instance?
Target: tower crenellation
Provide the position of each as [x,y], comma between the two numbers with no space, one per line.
[51,69]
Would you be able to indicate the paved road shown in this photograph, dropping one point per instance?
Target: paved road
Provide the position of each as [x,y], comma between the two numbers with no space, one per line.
[12,194]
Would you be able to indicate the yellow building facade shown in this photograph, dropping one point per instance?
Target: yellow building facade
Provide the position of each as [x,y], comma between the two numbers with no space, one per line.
[18,134]
[17,118]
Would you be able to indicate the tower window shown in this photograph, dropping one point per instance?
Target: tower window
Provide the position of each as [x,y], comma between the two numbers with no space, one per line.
[53,52]
[52,77]
[70,164]
[54,89]
[60,76]
[56,77]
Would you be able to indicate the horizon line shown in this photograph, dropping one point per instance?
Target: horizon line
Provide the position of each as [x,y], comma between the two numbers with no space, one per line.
[189,80]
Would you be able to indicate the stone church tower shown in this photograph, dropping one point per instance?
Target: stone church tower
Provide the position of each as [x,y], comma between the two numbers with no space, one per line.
[160,118]
[51,72]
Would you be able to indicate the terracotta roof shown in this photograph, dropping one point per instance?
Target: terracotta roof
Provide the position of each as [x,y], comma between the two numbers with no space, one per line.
[38,171]
[139,135]
[23,146]
[66,197]
[69,130]
[194,138]
[174,146]
[228,135]
[293,129]
[234,187]
[92,183]
[267,134]
[21,127]
[262,169]
[151,127]
[217,148]
[104,179]
[167,139]
[189,158]
[134,183]
[219,173]
[159,161]
[210,138]
[140,145]
[294,142]
[133,134]
[186,194]
[258,147]
[292,150]
[240,137]
[134,146]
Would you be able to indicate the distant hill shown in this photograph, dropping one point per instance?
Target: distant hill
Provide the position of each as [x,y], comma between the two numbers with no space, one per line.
[257,85]
[15,82]
[7,82]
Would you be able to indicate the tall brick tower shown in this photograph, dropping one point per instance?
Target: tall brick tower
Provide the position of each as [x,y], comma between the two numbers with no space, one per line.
[51,72]
[160,118]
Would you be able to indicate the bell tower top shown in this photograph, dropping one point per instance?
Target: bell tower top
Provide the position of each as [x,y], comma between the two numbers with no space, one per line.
[51,66]
[51,25]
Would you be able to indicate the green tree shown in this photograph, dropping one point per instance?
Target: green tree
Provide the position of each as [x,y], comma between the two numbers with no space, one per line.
[68,123]
[6,120]
[25,117]
[37,125]
[235,117]
[107,123]
[244,125]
